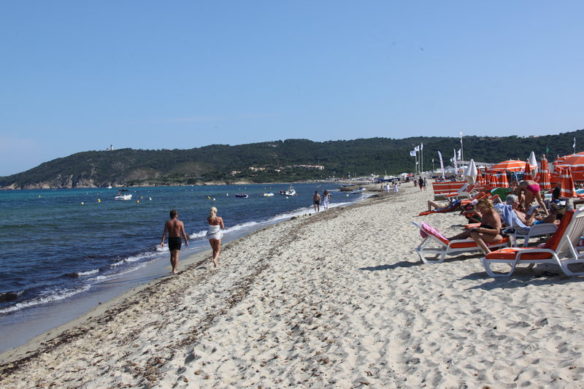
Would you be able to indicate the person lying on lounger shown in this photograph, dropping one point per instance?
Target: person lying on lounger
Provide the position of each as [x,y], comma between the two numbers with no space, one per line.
[490,228]
[450,206]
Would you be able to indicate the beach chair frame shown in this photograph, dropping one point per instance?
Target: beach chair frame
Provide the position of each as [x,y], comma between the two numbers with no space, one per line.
[452,248]
[535,231]
[566,253]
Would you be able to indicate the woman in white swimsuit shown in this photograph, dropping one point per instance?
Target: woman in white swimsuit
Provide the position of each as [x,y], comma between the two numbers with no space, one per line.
[214,234]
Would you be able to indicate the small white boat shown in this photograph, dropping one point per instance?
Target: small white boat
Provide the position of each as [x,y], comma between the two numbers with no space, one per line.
[268,194]
[123,195]
[290,192]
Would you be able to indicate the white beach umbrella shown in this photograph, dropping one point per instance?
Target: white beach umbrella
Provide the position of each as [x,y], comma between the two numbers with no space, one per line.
[471,172]
[533,163]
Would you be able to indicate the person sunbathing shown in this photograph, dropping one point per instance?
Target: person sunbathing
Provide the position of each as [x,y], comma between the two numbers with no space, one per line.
[450,206]
[490,229]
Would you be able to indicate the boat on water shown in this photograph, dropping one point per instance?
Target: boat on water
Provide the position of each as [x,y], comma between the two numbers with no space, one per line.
[123,194]
[357,191]
[290,192]
[242,195]
[268,194]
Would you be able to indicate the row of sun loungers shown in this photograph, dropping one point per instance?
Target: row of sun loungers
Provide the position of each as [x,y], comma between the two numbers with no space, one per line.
[562,248]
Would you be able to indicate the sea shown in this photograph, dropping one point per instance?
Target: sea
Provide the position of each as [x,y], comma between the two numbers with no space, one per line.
[63,251]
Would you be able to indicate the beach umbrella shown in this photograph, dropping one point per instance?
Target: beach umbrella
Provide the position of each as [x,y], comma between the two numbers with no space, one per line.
[481,180]
[544,177]
[528,175]
[532,163]
[576,164]
[567,183]
[510,165]
[471,172]
[503,181]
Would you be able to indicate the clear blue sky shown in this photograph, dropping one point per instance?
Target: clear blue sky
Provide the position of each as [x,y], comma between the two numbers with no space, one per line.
[81,75]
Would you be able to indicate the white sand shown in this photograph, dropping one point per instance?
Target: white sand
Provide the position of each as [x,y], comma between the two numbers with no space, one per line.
[338,300]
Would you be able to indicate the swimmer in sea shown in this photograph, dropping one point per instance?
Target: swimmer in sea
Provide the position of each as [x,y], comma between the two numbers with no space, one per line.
[175,229]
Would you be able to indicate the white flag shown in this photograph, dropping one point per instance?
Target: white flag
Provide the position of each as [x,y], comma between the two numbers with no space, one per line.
[417,148]
[454,161]
[574,145]
[459,157]
[413,153]
[441,163]
[422,146]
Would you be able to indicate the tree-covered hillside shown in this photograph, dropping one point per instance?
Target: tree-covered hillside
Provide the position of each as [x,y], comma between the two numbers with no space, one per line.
[289,160]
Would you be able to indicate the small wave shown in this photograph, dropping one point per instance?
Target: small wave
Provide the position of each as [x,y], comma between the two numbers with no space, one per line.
[88,273]
[45,299]
[198,235]
[81,273]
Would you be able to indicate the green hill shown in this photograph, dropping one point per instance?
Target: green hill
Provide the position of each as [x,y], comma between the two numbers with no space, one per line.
[289,160]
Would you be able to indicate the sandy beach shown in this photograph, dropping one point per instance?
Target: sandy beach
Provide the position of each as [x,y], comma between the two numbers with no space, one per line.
[338,299]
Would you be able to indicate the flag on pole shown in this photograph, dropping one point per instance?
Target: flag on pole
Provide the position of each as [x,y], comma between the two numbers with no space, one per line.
[454,161]
[461,138]
[413,153]
[441,163]
[422,146]
[417,148]
[459,155]
[574,145]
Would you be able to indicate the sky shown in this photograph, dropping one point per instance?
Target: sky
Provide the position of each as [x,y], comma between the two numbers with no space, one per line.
[83,75]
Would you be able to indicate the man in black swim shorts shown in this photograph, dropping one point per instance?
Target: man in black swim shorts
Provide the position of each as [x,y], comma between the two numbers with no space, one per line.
[175,230]
[316,201]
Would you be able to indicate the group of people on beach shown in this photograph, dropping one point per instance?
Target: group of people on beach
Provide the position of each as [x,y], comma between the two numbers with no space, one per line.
[512,209]
[175,230]
[317,199]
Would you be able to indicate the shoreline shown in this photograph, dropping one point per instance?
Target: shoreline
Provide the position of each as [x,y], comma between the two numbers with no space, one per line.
[189,262]
[337,299]
[58,335]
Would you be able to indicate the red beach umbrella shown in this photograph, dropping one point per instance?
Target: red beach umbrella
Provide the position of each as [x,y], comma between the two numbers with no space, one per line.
[576,164]
[544,177]
[510,165]
[528,175]
[491,180]
[567,183]
[503,181]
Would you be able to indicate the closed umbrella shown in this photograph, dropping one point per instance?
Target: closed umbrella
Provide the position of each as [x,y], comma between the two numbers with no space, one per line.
[503,181]
[510,165]
[470,174]
[528,175]
[532,162]
[544,177]
[567,183]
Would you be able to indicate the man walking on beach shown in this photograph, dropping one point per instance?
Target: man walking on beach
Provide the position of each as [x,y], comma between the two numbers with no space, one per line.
[316,201]
[175,230]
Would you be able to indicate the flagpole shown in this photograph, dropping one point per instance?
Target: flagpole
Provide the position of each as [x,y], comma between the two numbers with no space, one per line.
[461,148]
[421,158]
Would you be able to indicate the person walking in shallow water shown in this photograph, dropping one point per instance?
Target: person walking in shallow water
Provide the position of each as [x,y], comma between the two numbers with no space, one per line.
[316,201]
[326,198]
[214,234]
[175,229]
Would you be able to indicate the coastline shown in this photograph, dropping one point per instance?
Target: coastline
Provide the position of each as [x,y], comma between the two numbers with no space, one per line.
[335,299]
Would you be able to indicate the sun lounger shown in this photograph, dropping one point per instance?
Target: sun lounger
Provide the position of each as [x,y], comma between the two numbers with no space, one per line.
[561,249]
[535,231]
[435,244]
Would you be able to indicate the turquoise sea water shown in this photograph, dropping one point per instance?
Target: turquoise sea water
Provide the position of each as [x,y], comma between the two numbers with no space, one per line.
[56,244]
